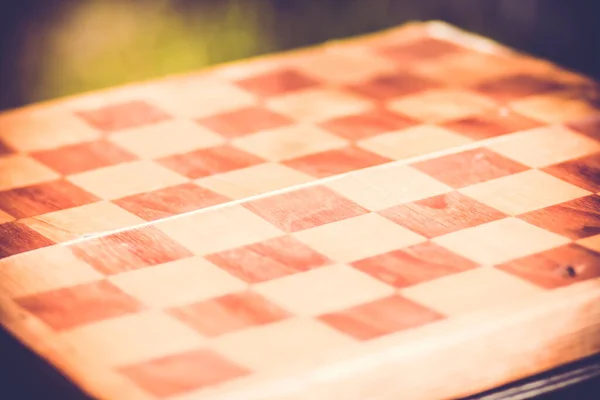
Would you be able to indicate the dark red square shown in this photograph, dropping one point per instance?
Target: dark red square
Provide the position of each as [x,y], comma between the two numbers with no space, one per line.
[83,157]
[44,198]
[368,124]
[442,214]
[416,264]
[388,87]
[245,121]
[79,305]
[583,172]
[18,238]
[589,126]
[334,162]
[5,148]
[170,201]
[129,250]
[493,123]
[123,116]
[206,162]
[561,266]
[305,208]
[277,83]
[574,219]
[380,317]
[469,167]
[268,260]
[179,373]
[229,313]
[425,49]
[517,86]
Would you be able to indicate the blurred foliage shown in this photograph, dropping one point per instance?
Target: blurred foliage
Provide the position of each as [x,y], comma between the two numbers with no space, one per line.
[103,43]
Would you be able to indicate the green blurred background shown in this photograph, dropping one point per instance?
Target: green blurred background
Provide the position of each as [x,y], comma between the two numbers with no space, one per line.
[53,48]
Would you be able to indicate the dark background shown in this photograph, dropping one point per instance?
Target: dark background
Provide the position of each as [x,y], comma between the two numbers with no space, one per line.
[55,48]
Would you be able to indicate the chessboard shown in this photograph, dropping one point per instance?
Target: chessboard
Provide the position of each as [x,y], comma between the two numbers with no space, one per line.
[413,214]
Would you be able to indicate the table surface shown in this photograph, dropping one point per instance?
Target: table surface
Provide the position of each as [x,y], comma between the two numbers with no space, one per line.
[411,214]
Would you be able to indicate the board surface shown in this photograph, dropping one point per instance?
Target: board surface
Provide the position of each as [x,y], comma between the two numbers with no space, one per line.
[414,214]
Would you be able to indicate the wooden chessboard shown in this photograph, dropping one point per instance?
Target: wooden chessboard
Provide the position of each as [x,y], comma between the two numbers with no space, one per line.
[413,214]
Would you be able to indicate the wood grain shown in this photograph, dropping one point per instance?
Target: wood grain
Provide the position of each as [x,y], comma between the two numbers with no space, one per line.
[421,223]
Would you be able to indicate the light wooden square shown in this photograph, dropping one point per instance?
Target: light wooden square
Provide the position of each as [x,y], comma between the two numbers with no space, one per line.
[106,98]
[133,338]
[478,289]
[289,142]
[219,229]
[127,179]
[524,192]
[254,67]
[254,180]
[384,187]
[84,220]
[41,270]
[276,345]
[17,171]
[4,217]
[591,242]
[42,129]
[466,69]
[554,108]
[323,290]
[344,67]
[166,138]
[176,283]
[545,146]
[412,142]
[500,241]
[435,106]
[195,97]
[315,105]
[357,238]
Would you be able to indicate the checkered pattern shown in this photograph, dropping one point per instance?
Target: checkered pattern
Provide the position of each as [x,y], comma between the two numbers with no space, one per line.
[118,159]
[456,194]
